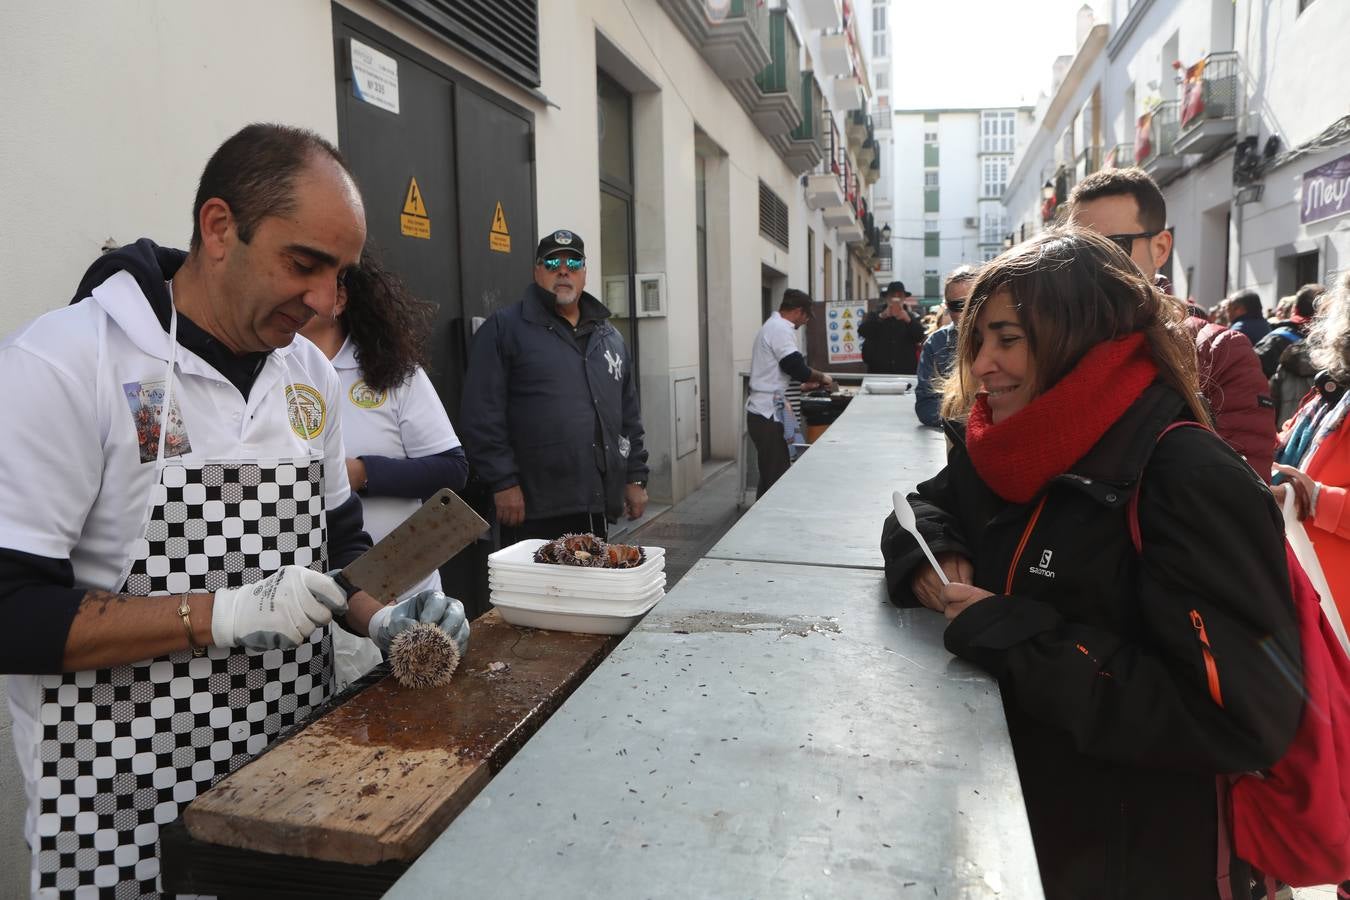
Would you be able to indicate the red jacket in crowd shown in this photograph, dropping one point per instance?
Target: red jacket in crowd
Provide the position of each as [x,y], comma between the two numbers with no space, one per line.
[1238,393]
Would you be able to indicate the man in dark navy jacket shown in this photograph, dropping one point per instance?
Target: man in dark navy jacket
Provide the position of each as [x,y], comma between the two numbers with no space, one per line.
[551,418]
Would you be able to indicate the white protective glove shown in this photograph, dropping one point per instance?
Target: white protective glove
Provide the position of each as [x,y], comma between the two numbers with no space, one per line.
[430,605]
[279,612]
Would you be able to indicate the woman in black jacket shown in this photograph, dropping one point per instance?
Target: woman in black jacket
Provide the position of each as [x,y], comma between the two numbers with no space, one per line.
[1130,679]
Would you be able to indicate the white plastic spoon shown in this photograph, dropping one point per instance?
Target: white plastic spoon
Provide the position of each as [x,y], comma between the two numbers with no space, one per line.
[904,514]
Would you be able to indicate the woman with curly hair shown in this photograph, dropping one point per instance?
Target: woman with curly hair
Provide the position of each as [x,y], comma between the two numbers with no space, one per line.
[401,447]
[1313,459]
[1132,675]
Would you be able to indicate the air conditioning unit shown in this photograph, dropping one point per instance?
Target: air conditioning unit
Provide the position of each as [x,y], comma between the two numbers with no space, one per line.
[971,222]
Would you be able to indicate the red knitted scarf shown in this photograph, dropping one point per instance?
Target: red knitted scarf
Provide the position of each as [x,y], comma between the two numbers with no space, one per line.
[1019,455]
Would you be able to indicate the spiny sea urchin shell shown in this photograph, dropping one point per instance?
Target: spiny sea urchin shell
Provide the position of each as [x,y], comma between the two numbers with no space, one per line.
[623,556]
[580,550]
[423,656]
[547,553]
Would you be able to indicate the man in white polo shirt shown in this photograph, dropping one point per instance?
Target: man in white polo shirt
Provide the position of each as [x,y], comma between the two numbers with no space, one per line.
[174,489]
[774,361]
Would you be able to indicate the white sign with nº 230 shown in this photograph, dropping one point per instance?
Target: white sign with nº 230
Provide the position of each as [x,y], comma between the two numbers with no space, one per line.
[374,77]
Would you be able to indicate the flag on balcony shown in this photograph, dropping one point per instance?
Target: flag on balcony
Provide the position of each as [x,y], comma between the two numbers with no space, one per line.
[1143,137]
[1193,93]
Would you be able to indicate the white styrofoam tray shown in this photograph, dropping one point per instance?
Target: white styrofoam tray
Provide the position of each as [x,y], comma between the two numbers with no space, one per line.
[544,584]
[556,619]
[590,602]
[540,603]
[519,557]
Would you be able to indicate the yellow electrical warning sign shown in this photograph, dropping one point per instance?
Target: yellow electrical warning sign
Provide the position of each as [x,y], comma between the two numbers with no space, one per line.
[415,222]
[499,239]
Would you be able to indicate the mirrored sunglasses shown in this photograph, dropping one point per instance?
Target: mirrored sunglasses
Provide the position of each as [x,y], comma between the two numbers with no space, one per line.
[554,263]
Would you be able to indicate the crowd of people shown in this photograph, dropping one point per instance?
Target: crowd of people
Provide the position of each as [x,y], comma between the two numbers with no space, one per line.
[168,576]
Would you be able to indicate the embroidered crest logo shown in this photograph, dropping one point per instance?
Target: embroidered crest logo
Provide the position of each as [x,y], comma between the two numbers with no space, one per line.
[305,407]
[366,397]
[625,446]
[615,364]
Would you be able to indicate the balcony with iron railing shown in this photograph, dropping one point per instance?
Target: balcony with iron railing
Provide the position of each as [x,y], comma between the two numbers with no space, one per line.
[872,174]
[803,147]
[824,189]
[1121,156]
[885,264]
[1089,161]
[856,229]
[771,97]
[736,44]
[1154,138]
[1211,96]
[857,124]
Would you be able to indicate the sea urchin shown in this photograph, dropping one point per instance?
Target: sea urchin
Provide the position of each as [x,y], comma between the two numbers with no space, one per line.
[424,656]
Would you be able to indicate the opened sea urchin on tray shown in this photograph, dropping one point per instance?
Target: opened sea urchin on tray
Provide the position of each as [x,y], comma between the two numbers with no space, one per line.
[588,551]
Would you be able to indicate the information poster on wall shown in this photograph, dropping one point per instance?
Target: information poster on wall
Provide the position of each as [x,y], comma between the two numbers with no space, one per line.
[842,318]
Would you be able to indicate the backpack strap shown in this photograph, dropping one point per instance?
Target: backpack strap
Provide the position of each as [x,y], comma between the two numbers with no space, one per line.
[1132,508]
[1222,784]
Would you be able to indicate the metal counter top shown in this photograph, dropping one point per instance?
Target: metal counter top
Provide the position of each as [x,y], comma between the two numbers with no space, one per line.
[767,731]
[828,509]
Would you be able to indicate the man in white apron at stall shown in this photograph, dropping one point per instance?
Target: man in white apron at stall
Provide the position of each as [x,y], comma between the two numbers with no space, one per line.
[774,362]
[174,490]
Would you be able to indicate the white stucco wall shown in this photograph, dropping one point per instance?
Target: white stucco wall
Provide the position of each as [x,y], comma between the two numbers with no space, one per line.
[1291,60]
[1295,62]
[111,109]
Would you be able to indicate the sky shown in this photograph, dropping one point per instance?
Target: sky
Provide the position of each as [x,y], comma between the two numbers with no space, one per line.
[973,53]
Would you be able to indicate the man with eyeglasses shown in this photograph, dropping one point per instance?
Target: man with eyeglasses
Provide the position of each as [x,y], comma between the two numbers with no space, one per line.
[1126,206]
[550,414]
[935,360]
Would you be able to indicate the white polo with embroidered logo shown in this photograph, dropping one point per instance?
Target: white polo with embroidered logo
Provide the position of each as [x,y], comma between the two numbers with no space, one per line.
[408,421]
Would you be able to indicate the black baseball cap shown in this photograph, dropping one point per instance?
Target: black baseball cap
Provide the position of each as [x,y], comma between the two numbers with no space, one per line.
[897,287]
[559,241]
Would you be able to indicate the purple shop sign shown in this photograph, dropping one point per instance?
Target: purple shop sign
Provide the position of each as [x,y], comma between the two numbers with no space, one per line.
[1326,191]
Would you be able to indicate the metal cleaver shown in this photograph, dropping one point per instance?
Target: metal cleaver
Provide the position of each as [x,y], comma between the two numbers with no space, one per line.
[420,545]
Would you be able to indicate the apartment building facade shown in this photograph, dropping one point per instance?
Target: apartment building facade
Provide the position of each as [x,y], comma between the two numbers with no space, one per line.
[951,168]
[1231,107]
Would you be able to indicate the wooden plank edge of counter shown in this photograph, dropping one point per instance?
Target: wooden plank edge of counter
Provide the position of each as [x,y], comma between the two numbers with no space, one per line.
[387,771]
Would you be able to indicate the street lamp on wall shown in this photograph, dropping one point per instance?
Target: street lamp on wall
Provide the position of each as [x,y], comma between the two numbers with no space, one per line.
[1048,190]
[886,232]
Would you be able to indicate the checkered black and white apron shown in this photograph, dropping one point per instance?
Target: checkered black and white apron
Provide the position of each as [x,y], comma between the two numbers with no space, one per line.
[123,750]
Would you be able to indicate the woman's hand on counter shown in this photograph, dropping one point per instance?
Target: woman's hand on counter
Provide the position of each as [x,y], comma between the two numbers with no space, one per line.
[926,585]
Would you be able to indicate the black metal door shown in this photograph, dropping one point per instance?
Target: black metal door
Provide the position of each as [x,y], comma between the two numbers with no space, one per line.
[388,151]
[494,153]
[468,151]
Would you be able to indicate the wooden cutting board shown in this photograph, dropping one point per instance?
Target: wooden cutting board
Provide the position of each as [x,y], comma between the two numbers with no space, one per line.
[379,777]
